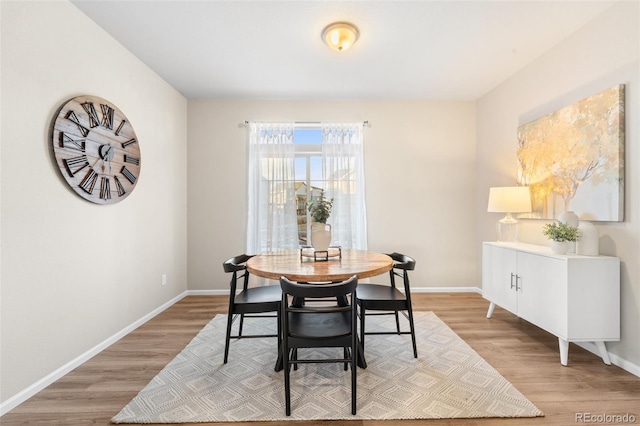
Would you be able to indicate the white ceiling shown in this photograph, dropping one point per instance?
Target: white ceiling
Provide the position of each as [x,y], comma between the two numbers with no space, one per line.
[267,49]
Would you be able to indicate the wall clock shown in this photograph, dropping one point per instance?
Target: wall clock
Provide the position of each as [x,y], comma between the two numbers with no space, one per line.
[96,149]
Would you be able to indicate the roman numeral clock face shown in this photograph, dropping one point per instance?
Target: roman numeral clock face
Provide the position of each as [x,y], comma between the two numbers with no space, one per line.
[96,149]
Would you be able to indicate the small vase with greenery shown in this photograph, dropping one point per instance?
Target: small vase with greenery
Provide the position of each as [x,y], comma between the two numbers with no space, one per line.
[560,232]
[320,209]
[561,235]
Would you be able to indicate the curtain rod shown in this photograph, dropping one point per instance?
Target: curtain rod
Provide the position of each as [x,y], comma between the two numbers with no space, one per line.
[365,122]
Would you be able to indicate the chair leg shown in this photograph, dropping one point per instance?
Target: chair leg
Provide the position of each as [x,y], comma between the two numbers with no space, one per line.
[354,357]
[413,333]
[362,316]
[345,355]
[228,337]
[241,324]
[287,380]
[279,330]
[397,322]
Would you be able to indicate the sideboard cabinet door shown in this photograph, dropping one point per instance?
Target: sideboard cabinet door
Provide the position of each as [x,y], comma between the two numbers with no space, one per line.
[498,277]
[542,292]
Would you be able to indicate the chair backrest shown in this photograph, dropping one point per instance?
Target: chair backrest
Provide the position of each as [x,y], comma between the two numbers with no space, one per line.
[318,291]
[404,263]
[234,265]
[314,297]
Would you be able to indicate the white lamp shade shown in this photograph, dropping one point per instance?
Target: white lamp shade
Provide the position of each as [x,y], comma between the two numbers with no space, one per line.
[509,199]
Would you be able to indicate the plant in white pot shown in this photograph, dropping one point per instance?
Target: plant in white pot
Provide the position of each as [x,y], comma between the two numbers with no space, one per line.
[560,235]
[320,210]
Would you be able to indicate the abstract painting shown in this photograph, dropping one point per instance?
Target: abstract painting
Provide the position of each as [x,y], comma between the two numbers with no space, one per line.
[573,159]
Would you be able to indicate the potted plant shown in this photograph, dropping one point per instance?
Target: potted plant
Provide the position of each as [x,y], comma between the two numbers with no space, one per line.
[560,235]
[320,210]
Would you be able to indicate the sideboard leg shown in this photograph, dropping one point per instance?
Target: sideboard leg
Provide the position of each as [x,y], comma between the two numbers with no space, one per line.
[492,306]
[603,352]
[564,351]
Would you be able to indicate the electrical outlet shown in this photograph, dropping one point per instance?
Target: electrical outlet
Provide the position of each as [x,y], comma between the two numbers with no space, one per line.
[164,279]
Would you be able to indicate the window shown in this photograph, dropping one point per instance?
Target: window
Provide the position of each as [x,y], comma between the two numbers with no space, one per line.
[291,164]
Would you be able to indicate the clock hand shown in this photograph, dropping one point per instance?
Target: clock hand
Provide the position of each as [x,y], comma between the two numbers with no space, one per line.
[105,151]
[108,155]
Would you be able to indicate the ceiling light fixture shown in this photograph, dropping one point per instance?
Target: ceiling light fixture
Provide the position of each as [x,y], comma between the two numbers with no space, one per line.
[340,35]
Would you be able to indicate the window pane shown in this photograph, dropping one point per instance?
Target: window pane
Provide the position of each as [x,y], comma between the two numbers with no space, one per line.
[309,136]
[316,168]
[301,197]
[300,166]
[301,211]
[317,188]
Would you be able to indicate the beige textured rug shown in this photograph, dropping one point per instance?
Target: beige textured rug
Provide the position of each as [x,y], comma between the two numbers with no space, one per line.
[448,380]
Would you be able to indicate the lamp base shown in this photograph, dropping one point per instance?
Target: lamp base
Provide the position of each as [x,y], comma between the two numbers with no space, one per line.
[507,229]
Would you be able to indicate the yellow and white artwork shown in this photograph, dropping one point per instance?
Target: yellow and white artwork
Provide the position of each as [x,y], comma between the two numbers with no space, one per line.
[573,159]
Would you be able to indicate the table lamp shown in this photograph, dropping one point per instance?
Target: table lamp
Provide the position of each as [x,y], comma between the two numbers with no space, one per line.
[509,199]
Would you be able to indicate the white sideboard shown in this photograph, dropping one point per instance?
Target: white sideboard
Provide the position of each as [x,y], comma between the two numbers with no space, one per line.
[576,298]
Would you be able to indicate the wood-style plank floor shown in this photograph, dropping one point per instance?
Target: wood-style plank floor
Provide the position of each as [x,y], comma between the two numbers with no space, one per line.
[524,354]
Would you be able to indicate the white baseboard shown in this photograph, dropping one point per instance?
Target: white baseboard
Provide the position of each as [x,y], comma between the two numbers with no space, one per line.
[615,359]
[30,391]
[446,290]
[413,290]
[224,292]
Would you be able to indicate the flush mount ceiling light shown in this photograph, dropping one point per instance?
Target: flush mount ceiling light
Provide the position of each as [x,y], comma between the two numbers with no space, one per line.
[340,35]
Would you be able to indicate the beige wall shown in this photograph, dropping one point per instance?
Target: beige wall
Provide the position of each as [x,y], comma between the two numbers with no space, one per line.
[602,54]
[419,173]
[76,273]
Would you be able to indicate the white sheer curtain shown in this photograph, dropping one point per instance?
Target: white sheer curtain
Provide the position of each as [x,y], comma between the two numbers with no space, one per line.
[272,222]
[343,171]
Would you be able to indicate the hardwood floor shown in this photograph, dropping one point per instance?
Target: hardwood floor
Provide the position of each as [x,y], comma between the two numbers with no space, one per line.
[524,354]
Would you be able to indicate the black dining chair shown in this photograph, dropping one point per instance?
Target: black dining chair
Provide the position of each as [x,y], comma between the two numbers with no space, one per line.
[249,302]
[318,325]
[388,300]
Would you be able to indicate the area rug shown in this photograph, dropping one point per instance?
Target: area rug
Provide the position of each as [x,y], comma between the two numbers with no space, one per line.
[447,380]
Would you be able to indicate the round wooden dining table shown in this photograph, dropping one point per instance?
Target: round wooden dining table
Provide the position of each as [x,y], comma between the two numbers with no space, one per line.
[336,265]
